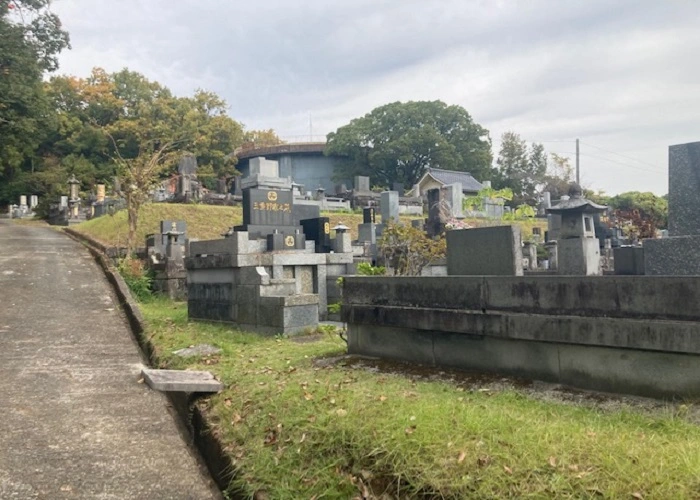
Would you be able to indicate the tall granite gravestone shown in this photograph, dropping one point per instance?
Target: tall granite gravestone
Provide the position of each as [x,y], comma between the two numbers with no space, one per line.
[187,165]
[268,207]
[485,251]
[680,253]
[361,183]
[367,231]
[683,189]
[390,206]
[453,196]
[435,225]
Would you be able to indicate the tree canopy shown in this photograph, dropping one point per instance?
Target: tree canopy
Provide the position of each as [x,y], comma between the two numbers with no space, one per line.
[520,168]
[30,39]
[83,115]
[397,142]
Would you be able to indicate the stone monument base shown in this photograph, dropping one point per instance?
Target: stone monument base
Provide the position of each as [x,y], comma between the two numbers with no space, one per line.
[675,256]
[578,256]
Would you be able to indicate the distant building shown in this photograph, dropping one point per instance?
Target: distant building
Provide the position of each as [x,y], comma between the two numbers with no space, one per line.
[437,177]
[305,163]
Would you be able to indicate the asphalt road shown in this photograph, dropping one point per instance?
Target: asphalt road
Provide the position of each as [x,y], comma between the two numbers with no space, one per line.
[74,421]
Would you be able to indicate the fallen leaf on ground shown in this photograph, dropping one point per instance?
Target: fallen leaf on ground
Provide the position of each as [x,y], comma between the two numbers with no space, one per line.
[508,469]
[552,461]
[410,430]
[340,412]
[461,457]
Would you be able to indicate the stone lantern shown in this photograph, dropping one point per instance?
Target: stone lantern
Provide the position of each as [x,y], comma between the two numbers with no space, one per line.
[578,251]
[74,198]
[342,243]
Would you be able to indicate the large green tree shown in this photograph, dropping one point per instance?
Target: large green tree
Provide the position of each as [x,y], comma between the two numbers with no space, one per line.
[30,39]
[397,142]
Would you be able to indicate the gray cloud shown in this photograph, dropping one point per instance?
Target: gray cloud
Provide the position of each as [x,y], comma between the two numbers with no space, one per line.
[619,75]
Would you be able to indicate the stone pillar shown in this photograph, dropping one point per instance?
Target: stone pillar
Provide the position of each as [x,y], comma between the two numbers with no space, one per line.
[389,206]
[342,243]
[552,254]
[23,200]
[100,198]
[454,195]
[530,253]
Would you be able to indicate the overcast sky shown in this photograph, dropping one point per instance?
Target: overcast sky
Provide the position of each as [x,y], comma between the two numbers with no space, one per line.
[621,75]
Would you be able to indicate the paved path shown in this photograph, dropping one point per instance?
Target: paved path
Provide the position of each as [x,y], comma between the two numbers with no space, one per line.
[74,421]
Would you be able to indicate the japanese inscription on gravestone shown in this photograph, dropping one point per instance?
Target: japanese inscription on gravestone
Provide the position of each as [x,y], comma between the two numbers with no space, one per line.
[267,207]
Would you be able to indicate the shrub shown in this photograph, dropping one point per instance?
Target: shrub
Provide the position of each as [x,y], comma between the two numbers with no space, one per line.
[137,277]
[367,269]
[407,249]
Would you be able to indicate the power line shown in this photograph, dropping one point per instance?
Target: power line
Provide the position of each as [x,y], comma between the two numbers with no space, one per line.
[621,155]
[627,165]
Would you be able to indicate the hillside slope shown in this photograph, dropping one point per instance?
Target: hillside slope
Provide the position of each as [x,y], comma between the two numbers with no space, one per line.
[209,222]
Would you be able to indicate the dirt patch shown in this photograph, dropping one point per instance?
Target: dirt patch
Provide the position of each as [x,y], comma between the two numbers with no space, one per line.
[306,339]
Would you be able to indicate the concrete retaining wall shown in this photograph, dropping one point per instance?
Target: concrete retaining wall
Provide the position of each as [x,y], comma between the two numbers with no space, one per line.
[629,334]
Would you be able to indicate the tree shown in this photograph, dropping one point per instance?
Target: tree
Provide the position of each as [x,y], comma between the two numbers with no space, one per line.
[407,249]
[260,138]
[520,169]
[30,40]
[560,175]
[397,142]
[640,214]
[138,175]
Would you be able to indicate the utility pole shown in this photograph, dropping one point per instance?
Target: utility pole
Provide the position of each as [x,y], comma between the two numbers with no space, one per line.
[578,177]
[311,129]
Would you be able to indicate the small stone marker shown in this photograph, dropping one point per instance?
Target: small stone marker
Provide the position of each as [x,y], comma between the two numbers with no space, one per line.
[181,381]
[197,350]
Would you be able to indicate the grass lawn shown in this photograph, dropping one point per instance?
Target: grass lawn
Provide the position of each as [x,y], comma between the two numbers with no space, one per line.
[209,222]
[302,421]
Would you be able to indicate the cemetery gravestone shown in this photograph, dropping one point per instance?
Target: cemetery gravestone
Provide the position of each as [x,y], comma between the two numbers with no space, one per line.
[434,225]
[485,251]
[361,183]
[454,196]
[679,254]
[390,206]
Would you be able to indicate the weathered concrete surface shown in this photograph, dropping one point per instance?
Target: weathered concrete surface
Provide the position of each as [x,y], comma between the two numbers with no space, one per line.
[75,422]
[181,380]
[630,334]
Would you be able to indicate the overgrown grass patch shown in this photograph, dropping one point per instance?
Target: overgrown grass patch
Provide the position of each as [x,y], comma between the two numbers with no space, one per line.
[203,222]
[300,424]
[209,222]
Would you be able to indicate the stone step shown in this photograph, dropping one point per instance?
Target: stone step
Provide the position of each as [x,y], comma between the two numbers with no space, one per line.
[181,381]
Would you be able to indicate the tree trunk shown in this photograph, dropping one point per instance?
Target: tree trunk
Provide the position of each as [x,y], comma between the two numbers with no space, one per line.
[133,215]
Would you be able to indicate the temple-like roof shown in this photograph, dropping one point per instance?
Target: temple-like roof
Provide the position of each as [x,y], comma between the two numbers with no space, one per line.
[576,203]
[468,182]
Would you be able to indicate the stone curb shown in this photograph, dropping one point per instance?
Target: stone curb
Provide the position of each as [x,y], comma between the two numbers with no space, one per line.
[202,435]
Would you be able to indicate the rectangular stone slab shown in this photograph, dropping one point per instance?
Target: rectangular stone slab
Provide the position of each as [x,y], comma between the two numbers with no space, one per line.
[181,381]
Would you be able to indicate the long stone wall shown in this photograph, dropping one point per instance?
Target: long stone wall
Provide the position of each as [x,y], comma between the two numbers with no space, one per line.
[628,334]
